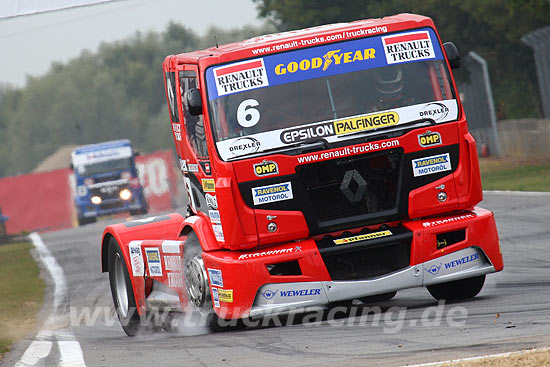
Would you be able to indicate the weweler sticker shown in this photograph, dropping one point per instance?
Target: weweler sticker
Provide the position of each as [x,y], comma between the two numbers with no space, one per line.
[272,193]
[433,164]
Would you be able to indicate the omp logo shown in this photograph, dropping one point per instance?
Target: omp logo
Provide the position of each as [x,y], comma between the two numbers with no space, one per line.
[363,123]
[336,57]
[435,111]
[429,138]
[362,237]
[208,185]
[266,168]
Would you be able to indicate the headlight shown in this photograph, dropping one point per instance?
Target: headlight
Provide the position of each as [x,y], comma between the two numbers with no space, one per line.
[96,200]
[125,194]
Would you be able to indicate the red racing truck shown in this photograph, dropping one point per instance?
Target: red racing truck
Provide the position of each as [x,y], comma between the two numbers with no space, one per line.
[328,164]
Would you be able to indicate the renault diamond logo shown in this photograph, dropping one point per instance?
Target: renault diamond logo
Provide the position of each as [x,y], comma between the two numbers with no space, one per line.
[349,177]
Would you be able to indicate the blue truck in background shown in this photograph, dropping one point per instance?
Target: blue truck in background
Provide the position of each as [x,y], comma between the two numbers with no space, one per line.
[106,181]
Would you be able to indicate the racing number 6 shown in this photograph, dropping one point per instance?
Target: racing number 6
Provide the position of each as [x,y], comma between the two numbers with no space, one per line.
[246,115]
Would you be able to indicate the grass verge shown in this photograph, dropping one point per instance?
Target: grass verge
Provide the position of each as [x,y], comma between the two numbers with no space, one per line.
[21,293]
[516,175]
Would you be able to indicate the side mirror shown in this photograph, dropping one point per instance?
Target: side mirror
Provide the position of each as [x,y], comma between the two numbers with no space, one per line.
[452,54]
[193,101]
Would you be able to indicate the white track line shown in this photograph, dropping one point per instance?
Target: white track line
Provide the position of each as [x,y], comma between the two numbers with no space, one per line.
[69,349]
[500,355]
[519,193]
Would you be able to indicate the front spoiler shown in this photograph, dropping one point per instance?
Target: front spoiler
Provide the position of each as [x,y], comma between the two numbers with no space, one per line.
[465,263]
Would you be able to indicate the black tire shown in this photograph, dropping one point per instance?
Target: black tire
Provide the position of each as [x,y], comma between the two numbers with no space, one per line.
[378,297]
[458,289]
[83,220]
[122,292]
[197,285]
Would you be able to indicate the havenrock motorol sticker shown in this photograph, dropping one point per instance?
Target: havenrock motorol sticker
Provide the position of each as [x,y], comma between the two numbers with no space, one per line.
[272,193]
[408,47]
[433,164]
[240,77]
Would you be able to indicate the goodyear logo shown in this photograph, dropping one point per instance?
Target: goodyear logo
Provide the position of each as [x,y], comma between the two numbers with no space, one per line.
[363,123]
[336,57]
[225,295]
[266,168]
[429,138]
[208,185]
[362,237]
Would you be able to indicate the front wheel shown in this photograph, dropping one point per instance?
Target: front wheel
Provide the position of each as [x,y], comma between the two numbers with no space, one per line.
[458,289]
[122,292]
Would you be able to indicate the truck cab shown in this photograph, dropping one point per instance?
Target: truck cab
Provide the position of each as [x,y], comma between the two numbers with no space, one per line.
[106,181]
[321,165]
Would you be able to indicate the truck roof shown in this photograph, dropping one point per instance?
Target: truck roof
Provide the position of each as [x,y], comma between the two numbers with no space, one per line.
[103,145]
[277,42]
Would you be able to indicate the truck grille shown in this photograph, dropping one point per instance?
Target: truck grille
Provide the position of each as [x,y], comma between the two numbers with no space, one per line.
[108,192]
[352,189]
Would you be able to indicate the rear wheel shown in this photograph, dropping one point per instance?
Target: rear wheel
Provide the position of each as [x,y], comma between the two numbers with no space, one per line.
[458,289]
[122,292]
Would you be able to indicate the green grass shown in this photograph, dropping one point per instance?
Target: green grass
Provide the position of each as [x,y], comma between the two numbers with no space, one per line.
[515,175]
[21,293]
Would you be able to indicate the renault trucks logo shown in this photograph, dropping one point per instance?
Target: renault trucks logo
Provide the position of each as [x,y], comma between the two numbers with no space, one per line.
[272,193]
[332,57]
[240,77]
[266,168]
[435,111]
[408,47]
[433,164]
[429,138]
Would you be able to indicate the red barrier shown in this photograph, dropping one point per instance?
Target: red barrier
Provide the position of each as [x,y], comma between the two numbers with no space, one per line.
[43,201]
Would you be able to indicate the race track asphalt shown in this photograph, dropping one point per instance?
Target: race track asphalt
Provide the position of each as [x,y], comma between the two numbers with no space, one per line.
[511,313]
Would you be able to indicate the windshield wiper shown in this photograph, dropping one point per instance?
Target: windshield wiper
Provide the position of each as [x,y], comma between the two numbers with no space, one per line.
[313,145]
[420,122]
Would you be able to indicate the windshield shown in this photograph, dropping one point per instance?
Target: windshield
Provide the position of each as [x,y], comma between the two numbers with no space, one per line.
[104,167]
[329,92]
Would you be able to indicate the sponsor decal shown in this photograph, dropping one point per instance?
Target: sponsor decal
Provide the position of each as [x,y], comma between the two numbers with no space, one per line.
[332,56]
[218,232]
[301,292]
[240,77]
[266,168]
[172,263]
[214,216]
[153,262]
[108,189]
[208,184]
[448,220]
[429,165]
[215,276]
[175,280]
[183,165]
[254,255]
[268,294]
[362,237]
[176,128]
[136,258]
[434,269]
[205,167]
[340,127]
[215,297]
[435,111]
[244,146]
[211,201]
[272,193]
[171,247]
[193,167]
[140,222]
[226,295]
[410,46]
[429,139]
[461,261]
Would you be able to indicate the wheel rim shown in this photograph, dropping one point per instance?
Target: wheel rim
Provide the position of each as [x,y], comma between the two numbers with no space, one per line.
[197,282]
[121,290]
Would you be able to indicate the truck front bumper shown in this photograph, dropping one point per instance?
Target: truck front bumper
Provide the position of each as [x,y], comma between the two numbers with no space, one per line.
[438,250]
